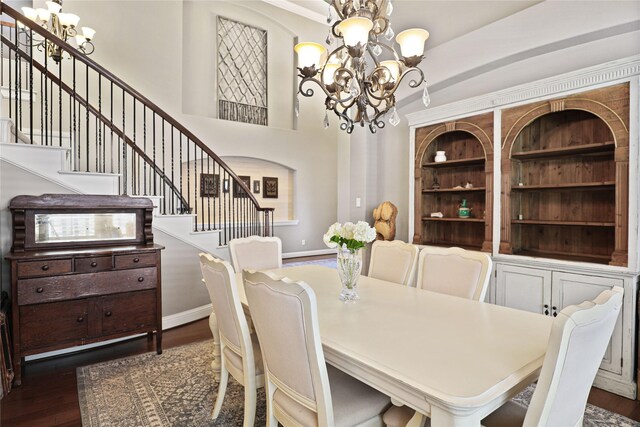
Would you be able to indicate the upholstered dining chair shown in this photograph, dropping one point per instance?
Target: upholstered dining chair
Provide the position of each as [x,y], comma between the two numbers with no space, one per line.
[579,338]
[256,253]
[454,271]
[301,389]
[394,261]
[239,350]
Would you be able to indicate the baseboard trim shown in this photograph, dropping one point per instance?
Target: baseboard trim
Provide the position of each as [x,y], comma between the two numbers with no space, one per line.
[168,322]
[309,253]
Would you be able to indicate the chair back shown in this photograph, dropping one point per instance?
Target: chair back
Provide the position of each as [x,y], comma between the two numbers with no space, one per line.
[256,253]
[394,261]
[454,271]
[221,285]
[285,317]
[579,338]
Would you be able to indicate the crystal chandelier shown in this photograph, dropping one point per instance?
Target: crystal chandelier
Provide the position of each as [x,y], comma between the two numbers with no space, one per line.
[61,25]
[359,85]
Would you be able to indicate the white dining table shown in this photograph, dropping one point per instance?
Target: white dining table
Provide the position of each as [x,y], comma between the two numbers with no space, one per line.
[451,359]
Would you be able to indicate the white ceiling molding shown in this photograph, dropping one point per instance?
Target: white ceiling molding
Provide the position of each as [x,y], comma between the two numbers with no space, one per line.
[577,80]
[299,10]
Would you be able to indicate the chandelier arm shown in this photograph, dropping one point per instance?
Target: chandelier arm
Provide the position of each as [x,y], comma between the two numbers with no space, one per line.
[310,92]
[336,7]
[31,41]
[412,84]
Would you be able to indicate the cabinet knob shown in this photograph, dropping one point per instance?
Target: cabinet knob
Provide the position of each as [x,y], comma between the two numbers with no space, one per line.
[94,264]
[45,267]
[555,311]
[80,319]
[140,279]
[40,290]
[108,314]
[136,260]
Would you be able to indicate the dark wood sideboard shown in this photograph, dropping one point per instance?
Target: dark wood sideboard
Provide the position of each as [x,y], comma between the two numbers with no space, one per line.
[84,269]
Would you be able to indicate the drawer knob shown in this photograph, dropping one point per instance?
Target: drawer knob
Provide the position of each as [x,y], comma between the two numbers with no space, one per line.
[45,267]
[140,279]
[80,319]
[136,260]
[94,264]
[40,290]
[108,314]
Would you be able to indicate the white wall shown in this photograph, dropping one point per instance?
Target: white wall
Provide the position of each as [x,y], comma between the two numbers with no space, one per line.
[143,42]
[547,39]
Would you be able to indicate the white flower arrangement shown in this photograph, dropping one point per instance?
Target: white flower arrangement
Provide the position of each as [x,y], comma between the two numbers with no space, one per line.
[349,235]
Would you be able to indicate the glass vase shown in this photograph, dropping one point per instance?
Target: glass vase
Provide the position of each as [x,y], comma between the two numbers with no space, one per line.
[349,266]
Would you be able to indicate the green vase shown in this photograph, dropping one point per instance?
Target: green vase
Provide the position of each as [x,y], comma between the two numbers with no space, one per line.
[464,211]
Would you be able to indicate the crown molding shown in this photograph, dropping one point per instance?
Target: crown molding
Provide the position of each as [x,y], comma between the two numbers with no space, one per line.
[299,10]
[553,86]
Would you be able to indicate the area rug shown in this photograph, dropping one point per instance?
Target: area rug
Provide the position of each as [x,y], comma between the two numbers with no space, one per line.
[176,389]
[329,262]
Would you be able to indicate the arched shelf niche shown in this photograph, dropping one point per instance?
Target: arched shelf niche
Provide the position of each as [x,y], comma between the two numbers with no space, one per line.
[440,187]
[565,178]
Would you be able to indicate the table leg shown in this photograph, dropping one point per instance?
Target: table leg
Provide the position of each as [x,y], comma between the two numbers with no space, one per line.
[441,417]
[215,365]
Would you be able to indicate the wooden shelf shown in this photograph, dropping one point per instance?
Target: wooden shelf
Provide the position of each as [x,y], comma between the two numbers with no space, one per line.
[455,190]
[461,162]
[568,256]
[602,147]
[453,219]
[606,185]
[563,223]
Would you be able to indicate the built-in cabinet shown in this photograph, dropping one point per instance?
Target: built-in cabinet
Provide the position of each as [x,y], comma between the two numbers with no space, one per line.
[561,178]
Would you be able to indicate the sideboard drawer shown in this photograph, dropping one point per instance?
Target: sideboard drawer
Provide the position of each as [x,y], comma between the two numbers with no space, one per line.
[54,323]
[93,264]
[45,289]
[44,268]
[135,260]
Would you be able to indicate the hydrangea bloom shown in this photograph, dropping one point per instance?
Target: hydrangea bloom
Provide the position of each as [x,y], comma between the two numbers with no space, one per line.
[349,235]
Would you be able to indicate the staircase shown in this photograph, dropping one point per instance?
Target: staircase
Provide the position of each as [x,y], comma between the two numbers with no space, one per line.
[76,124]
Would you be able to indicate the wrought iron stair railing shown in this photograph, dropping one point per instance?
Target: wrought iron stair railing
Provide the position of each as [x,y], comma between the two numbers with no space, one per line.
[109,127]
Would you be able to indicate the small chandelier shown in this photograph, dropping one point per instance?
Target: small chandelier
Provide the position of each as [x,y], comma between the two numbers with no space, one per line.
[61,25]
[347,78]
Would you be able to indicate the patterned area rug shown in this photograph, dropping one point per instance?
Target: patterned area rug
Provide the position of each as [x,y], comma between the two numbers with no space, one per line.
[329,262]
[176,389]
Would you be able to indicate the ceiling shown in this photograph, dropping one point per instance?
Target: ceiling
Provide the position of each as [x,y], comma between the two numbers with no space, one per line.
[445,20]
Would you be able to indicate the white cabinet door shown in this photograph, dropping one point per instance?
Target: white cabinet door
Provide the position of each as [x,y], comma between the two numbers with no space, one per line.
[524,288]
[572,289]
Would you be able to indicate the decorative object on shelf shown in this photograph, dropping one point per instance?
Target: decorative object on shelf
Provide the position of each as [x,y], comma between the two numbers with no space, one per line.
[348,78]
[62,25]
[270,187]
[209,185]
[349,238]
[436,184]
[464,211]
[441,156]
[520,184]
[520,217]
[468,185]
[436,215]
[385,221]
[256,186]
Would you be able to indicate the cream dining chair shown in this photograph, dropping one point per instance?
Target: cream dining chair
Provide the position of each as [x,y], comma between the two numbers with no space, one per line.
[301,389]
[454,271]
[394,261]
[579,338]
[255,253]
[239,350]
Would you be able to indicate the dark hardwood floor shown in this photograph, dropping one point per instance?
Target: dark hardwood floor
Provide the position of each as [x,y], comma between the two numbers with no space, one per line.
[48,395]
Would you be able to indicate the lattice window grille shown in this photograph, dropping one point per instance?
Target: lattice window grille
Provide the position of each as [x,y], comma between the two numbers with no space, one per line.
[242,72]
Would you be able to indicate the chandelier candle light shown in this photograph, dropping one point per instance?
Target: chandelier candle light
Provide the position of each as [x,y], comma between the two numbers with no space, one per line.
[61,25]
[348,78]
[349,238]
